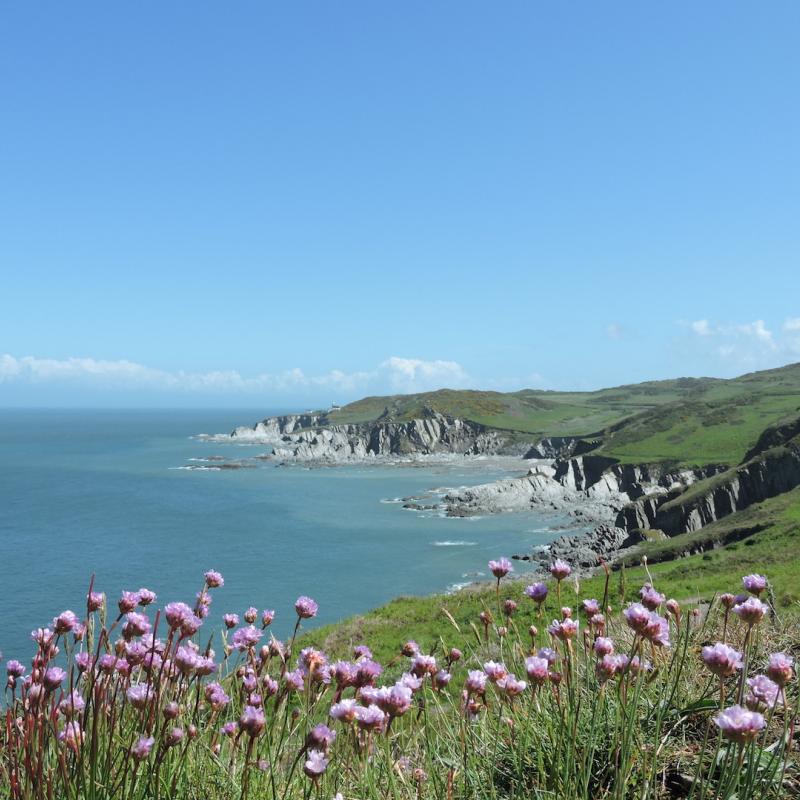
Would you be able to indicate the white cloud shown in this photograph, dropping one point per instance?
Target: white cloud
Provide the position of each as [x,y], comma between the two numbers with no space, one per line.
[416,375]
[750,345]
[758,331]
[397,374]
[700,327]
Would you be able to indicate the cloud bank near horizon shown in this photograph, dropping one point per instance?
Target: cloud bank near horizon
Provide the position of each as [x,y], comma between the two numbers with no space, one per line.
[396,374]
[748,344]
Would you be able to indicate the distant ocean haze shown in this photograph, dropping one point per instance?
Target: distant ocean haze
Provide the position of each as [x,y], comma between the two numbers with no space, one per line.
[101,492]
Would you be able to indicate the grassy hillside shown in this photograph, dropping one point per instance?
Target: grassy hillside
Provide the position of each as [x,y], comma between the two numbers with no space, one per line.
[686,420]
[770,544]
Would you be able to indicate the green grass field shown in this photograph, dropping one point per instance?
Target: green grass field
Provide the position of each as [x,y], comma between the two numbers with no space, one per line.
[688,421]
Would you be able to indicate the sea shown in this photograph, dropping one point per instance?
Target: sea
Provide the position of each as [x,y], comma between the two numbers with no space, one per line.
[135,498]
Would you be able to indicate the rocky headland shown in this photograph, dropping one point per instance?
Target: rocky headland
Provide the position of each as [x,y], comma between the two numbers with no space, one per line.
[620,503]
[314,439]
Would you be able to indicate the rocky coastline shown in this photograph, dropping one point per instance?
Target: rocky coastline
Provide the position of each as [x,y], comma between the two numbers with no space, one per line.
[620,504]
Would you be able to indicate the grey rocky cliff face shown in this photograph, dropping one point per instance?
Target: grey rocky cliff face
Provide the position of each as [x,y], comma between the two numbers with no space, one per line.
[302,438]
[767,476]
[271,429]
[592,487]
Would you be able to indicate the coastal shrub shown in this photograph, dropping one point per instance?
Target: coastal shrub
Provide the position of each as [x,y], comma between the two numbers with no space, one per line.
[653,700]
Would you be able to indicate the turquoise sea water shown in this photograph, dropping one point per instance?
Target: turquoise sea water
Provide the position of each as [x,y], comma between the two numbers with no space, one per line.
[102,492]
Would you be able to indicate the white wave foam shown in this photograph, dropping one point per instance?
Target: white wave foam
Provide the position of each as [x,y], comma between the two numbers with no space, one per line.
[456,587]
[193,468]
[392,500]
[454,543]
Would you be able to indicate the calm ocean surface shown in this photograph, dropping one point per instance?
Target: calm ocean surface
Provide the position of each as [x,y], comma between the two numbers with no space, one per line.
[101,492]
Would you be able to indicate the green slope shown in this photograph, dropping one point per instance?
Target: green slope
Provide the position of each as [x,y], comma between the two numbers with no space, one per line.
[764,538]
[686,420]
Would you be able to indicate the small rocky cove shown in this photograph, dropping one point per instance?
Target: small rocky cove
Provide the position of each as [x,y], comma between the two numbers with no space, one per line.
[621,503]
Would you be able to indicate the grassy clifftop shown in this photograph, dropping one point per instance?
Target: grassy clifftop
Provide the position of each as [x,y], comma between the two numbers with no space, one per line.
[686,420]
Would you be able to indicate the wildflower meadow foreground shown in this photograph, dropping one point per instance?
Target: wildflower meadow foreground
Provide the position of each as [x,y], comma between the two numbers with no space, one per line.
[647,700]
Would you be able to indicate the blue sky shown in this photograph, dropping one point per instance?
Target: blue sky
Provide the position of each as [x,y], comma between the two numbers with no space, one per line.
[279,203]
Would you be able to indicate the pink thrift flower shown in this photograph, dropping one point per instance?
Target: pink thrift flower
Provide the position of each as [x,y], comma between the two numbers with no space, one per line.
[141,750]
[65,622]
[607,667]
[780,668]
[674,608]
[72,735]
[722,660]
[213,579]
[135,625]
[321,737]
[146,597]
[295,680]
[174,737]
[139,695]
[94,601]
[252,721]
[591,607]
[511,686]
[127,602]
[410,648]
[266,617]
[423,665]
[53,678]
[537,592]
[15,668]
[246,638]
[603,646]
[476,682]
[367,671]
[751,610]
[441,679]
[305,607]
[637,617]
[547,653]
[763,692]
[230,620]
[495,671]
[559,569]
[739,725]
[315,764]
[72,704]
[537,669]
[651,599]
[176,613]
[501,567]
[728,600]
[370,717]
[362,651]
[344,711]
[755,584]
[83,661]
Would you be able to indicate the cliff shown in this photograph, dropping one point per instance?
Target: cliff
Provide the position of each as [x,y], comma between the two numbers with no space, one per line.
[771,473]
[306,438]
[593,487]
